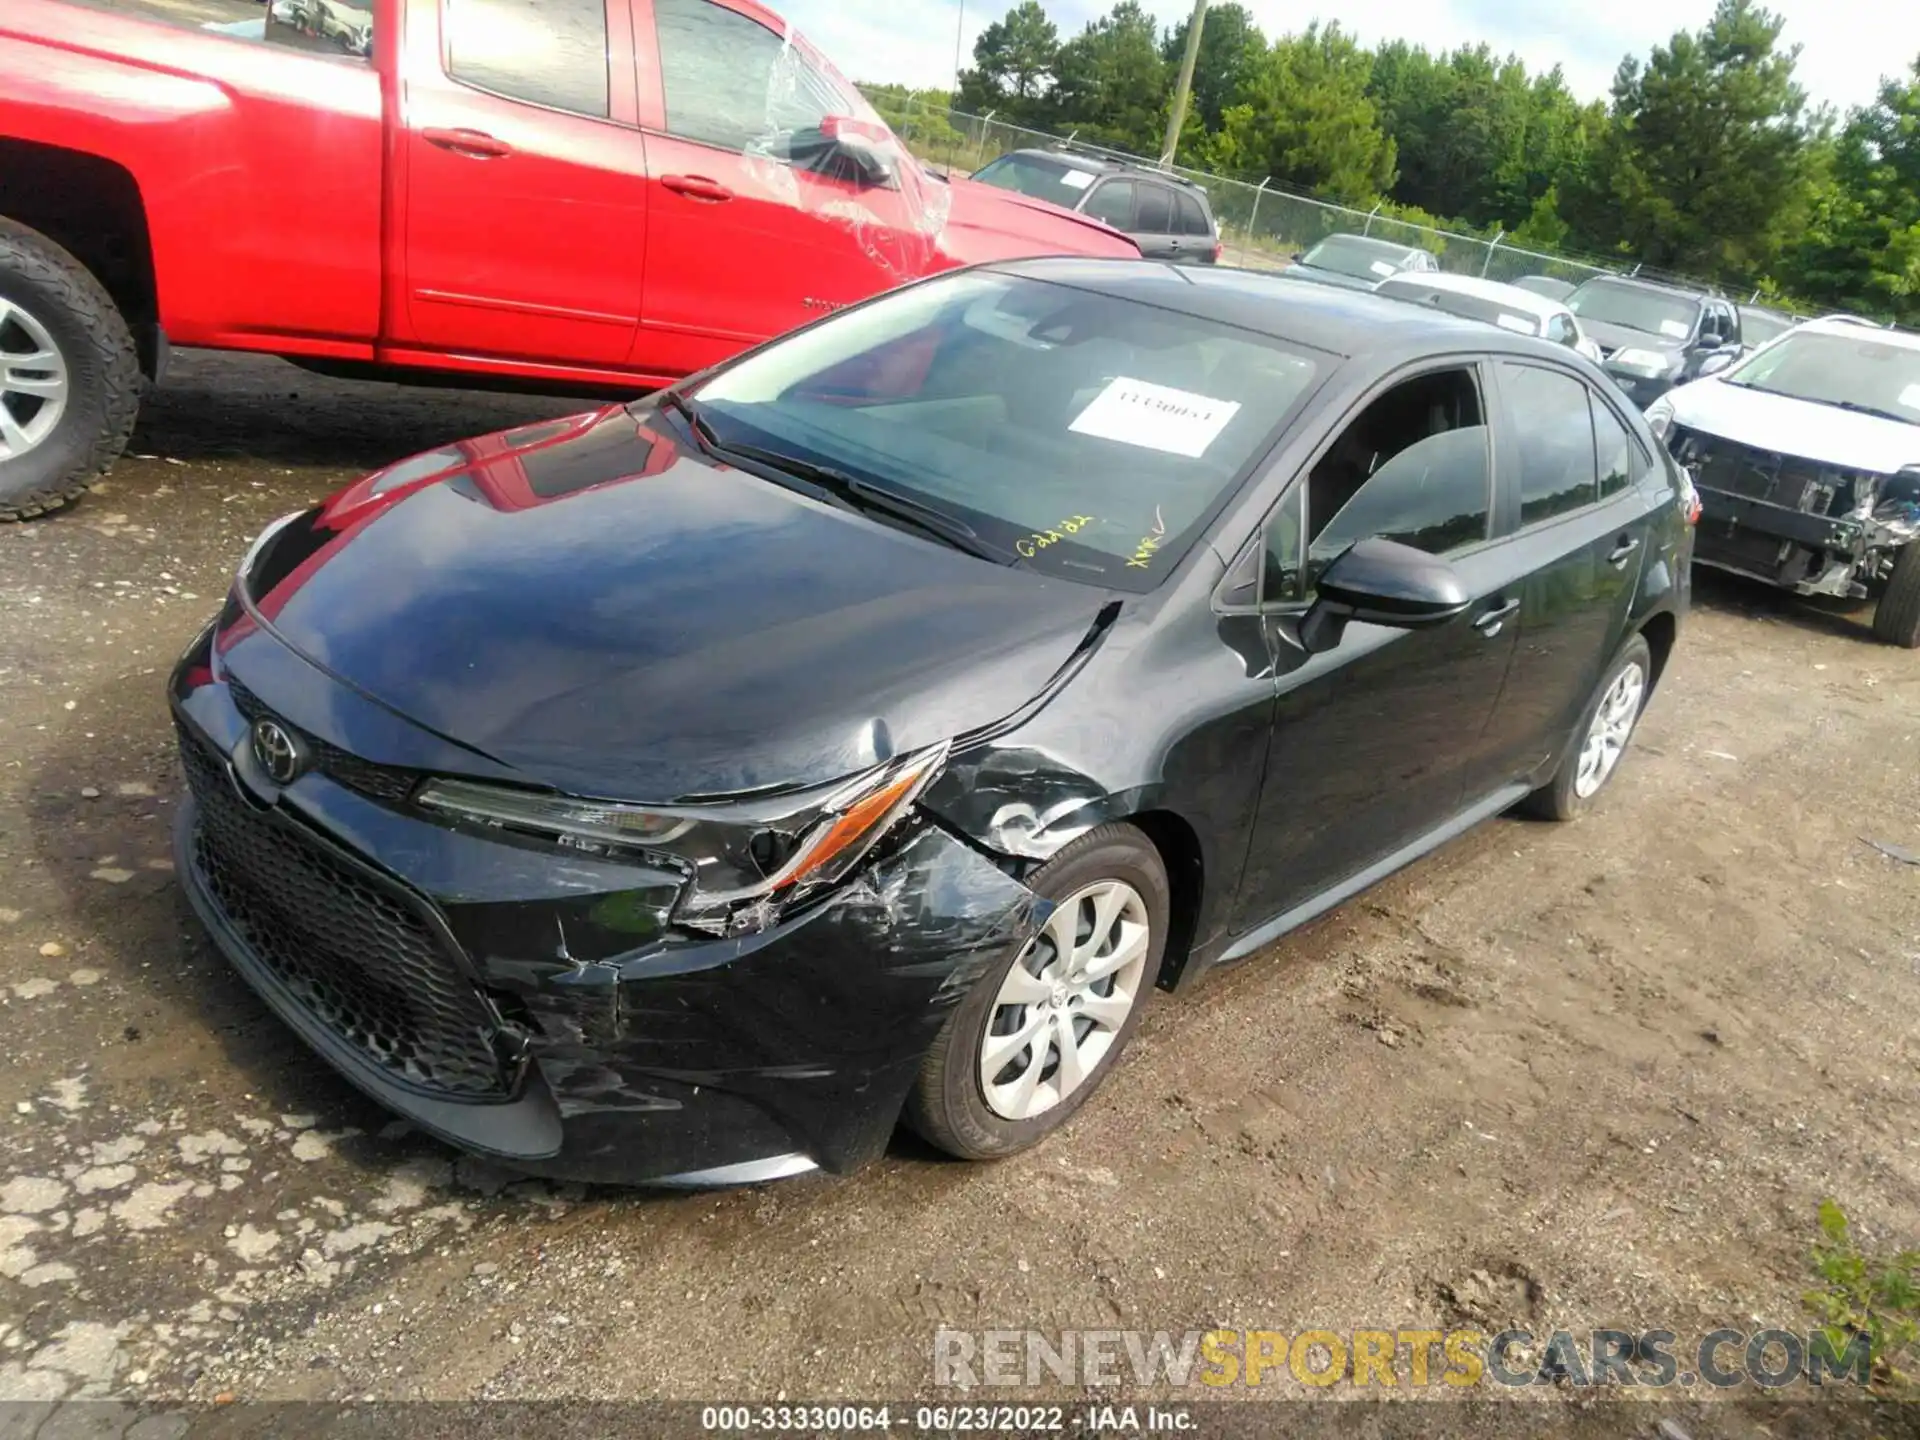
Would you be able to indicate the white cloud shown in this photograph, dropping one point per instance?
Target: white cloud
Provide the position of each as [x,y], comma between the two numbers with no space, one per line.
[1848,44]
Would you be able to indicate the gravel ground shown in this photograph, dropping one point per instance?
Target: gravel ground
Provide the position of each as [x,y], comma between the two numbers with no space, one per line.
[1565,1076]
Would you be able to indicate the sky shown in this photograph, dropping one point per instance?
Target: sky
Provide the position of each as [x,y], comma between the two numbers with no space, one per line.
[1847,45]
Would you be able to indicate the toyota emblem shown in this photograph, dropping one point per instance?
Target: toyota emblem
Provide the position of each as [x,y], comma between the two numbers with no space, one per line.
[276,751]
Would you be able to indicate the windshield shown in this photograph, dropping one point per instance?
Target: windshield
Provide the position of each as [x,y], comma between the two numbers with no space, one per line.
[1054,180]
[1670,317]
[1545,285]
[1857,372]
[1089,436]
[1757,327]
[1470,307]
[1356,256]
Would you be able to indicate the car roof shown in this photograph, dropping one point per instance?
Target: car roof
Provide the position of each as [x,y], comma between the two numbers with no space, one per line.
[1512,296]
[1104,165]
[1859,330]
[1352,324]
[1639,284]
[1374,242]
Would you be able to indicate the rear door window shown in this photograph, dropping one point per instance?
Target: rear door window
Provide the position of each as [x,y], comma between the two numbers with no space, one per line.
[546,52]
[1153,210]
[1552,420]
[1193,220]
[1613,447]
[1113,203]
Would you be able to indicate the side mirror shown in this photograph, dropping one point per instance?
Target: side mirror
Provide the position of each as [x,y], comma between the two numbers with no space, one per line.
[1715,363]
[869,148]
[1381,582]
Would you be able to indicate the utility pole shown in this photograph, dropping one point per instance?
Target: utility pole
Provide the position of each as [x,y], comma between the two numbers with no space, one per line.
[1184,86]
[959,34]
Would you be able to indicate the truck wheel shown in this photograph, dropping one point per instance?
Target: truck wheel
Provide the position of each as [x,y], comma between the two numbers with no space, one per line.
[1896,619]
[69,375]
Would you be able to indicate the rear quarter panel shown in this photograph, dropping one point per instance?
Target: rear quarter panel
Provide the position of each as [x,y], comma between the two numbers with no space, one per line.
[259,166]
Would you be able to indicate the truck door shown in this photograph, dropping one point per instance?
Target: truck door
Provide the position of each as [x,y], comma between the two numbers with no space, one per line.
[760,218]
[525,190]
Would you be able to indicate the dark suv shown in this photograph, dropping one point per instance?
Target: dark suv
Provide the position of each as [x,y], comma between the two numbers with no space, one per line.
[1167,217]
[1654,337]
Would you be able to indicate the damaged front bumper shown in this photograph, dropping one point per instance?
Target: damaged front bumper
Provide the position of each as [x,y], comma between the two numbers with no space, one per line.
[544,1009]
[1800,524]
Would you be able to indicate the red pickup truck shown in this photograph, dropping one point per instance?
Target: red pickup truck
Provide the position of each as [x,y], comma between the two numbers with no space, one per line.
[555,192]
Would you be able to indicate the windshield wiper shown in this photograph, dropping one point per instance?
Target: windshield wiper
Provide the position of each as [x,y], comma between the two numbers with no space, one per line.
[1859,409]
[682,406]
[861,494]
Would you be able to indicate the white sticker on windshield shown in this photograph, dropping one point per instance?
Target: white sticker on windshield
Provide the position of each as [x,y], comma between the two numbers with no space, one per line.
[1519,324]
[1076,179]
[1381,267]
[1910,397]
[1674,329]
[1134,412]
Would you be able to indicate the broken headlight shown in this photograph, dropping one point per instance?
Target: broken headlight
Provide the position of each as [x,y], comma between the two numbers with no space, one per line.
[741,858]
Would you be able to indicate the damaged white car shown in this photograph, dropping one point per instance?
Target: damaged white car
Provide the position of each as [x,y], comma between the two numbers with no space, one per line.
[1807,458]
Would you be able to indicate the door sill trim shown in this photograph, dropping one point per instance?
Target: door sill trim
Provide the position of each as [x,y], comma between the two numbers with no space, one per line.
[1312,909]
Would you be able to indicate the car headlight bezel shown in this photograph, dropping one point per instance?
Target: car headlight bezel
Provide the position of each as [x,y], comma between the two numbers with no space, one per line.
[1641,362]
[1659,417]
[742,862]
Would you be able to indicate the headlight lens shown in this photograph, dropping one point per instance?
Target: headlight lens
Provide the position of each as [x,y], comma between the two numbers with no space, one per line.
[1651,361]
[742,859]
[1660,417]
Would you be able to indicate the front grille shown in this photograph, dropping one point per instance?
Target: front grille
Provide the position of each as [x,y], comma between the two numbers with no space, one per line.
[356,952]
[1785,480]
[388,784]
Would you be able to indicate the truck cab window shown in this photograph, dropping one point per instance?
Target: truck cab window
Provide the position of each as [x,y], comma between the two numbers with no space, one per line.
[732,82]
[546,52]
[331,27]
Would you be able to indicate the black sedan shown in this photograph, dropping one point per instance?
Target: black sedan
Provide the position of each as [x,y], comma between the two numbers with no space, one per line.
[690,791]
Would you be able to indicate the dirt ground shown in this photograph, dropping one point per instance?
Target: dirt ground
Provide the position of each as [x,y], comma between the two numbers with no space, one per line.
[1565,1076]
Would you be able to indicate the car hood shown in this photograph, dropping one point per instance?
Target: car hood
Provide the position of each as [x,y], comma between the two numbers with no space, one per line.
[1318,276]
[985,222]
[1623,337]
[1787,426]
[608,613]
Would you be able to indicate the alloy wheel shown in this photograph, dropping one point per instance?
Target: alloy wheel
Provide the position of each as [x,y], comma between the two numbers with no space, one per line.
[33,381]
[1612,727]
[1064,1001]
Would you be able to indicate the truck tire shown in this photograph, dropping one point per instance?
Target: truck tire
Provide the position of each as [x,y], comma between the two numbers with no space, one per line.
[1896,619]
[69,375]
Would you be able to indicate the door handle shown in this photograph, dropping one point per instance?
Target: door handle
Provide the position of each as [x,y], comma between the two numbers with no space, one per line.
[1489,622]
[1622,552]
[696,187]
[476,144]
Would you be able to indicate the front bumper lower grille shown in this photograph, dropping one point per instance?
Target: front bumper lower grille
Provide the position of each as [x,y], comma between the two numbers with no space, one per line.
[358,953]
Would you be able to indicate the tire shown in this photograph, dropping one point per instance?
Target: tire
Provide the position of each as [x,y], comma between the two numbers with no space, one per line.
[1561,797]
[950,1105]
[49,298]
[1896,619]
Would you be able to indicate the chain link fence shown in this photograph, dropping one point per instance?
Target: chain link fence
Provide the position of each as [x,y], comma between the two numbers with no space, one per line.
[1261,226]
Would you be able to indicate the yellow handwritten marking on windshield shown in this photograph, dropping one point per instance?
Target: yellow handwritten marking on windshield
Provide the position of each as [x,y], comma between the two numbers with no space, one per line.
[1142,557]
[1031,545]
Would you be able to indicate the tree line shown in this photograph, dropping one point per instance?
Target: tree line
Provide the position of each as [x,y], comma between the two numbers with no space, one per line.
[1707,159]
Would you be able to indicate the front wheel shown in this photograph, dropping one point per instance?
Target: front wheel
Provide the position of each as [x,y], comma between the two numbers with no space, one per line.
[1042,1028]
[1600,739]
[1896,619]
